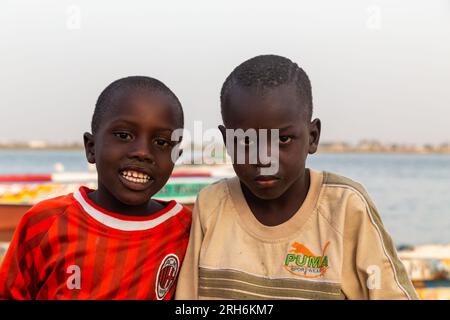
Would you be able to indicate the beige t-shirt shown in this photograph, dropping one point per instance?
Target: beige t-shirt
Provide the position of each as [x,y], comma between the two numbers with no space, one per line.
[334,247]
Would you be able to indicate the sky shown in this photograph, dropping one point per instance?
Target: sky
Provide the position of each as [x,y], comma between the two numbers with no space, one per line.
[379,69]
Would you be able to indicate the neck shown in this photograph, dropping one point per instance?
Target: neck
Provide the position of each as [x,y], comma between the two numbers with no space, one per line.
[272,212]
[104,199]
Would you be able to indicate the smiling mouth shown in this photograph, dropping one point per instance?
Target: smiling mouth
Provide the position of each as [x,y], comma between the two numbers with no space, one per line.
[136,177]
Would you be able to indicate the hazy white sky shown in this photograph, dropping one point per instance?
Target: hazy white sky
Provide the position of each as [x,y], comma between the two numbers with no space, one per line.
[379,69]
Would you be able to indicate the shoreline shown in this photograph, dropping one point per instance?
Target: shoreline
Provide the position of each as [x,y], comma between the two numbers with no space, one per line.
[365,146]
[321,150]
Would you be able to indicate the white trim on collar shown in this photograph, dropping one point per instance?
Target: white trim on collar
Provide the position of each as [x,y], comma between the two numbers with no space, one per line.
[125,225]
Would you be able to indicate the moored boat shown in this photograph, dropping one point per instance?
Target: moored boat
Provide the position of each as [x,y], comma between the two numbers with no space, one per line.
[18,193]
[428,267]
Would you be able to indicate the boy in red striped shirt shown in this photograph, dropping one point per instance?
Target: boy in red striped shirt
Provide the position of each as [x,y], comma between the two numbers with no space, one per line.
[114,242]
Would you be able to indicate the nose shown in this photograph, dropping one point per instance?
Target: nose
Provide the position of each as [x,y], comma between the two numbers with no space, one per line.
[264,155]
[142,150]
[268,161]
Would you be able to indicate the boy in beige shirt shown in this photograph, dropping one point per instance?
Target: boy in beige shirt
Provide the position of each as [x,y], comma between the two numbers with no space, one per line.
[291,232]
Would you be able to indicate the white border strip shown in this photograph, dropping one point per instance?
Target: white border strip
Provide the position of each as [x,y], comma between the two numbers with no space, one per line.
[125,225]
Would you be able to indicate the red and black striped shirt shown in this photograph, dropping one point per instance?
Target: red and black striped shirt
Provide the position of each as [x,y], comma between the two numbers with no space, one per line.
[69,248]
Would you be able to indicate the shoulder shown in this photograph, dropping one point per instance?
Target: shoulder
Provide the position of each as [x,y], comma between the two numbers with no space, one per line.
[351,199]
[335,180]
[344,200]
[339,188]
[183,214]
[214,193]
[38,220]
[46,211]
[54,203]
[212,196]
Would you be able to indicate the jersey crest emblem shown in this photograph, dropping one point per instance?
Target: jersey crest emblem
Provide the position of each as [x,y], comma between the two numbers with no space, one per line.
[167,274]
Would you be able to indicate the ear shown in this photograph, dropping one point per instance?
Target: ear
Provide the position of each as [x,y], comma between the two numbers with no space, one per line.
[229,148]
[223,131]
[314,135]
[89,147]
[180,152]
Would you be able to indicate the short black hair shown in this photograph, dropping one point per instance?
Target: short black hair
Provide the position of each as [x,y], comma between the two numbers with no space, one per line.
[266,72]
[107,98]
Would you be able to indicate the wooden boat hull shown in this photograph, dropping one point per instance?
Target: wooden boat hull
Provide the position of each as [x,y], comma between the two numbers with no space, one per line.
[10,216]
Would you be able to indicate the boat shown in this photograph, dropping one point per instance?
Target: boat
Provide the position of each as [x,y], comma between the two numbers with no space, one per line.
[18,193]
[428,267]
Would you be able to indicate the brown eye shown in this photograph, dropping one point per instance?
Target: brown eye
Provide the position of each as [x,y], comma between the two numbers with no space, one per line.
[162,143]
[125,136]
[285,139]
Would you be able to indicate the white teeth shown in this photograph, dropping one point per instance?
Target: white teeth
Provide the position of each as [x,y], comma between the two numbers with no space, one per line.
[136,177]
[135,180]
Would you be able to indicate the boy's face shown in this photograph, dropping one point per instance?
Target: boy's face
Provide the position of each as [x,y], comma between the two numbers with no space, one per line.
[280,108]
[132,147]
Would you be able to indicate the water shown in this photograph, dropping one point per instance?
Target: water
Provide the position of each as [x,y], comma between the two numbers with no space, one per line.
[411,192]
[40,162]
